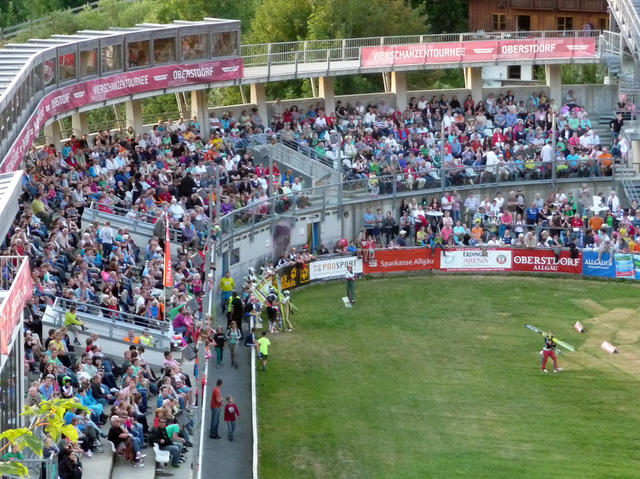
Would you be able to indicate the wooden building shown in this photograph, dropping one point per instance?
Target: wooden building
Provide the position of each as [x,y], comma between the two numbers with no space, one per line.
[530,15]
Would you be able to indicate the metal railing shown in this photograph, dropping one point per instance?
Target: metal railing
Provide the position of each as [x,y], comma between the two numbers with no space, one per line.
[403,185]
[117,323]
[628,19]
[142,223]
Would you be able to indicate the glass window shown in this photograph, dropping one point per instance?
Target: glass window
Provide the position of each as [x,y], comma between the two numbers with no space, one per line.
[38,77]
[565,23]
[164,50]
[112,58]
[224,44]
[9,418]
[49,73]
[88,62]
[194,47]
[499,22]
[138,54]
[67,67]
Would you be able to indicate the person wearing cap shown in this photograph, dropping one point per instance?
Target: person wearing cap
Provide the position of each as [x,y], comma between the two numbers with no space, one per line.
[402,241]
[146,338]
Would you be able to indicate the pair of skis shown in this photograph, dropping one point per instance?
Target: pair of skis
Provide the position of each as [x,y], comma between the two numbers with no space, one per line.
[555,340]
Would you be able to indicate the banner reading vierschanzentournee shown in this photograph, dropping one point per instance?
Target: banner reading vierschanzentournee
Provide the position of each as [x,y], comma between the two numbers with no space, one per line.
[592,267]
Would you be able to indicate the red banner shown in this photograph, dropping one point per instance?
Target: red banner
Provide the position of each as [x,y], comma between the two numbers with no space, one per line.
[159,78]
[20,292]
[544,261]
[398,260]
[168,266]
[480,51]
[163,77]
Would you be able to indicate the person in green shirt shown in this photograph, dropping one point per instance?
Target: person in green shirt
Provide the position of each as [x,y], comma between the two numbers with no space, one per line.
[15,454]
[72,323]
[264,344]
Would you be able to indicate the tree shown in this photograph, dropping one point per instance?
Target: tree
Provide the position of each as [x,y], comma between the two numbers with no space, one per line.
[50,416]
[445,16]
[280,21]
[355,19]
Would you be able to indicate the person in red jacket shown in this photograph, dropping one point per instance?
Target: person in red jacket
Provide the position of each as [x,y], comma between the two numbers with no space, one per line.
[230,414]
[216,404]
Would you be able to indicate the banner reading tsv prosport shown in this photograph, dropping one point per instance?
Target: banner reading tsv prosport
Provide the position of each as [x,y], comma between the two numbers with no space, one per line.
[74,96]
[334,268]
[396,260]
[479,51]
[476,259]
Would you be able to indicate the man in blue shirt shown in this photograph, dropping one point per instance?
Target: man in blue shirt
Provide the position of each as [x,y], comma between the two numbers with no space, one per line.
[369,221]
[46,390]
[532,214]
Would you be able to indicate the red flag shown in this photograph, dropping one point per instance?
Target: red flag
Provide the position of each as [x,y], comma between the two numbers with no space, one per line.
[168,267]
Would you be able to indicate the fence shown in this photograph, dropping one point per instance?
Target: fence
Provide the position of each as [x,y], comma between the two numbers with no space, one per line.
[115,323]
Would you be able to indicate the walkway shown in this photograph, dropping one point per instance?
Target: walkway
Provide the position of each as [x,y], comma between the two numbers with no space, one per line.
[220,456]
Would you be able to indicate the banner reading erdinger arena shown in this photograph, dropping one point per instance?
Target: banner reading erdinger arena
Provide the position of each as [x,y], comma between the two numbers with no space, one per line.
[476,259]
[478,51]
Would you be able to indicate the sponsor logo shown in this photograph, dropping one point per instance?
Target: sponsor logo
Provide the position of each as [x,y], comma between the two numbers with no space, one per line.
[160,77]
[481,51]
[501,259]
[546,261]
[415,262]
[578,47]
[79,94]
[230,69]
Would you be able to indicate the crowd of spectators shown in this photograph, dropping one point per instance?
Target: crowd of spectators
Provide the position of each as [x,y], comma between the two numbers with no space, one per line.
[116,391]
[583,219]
[496,138]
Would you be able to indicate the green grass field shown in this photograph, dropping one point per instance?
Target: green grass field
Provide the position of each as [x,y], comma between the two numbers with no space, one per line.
[438,377]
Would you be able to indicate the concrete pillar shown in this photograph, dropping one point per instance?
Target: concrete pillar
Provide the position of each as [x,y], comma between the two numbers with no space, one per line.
[259,99]
[134,116]
[554,82]
[80,124]
[52,134]
[200,108]
[473,82]
[325,92]
[399,89]
[635,154]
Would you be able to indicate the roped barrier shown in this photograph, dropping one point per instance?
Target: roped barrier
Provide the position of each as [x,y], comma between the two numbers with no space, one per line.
[468,260]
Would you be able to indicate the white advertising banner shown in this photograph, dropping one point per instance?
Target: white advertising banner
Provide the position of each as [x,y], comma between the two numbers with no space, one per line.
[334,268]
[476,259]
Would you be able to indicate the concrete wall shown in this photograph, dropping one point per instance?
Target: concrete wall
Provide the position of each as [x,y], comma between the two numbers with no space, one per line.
[257,251]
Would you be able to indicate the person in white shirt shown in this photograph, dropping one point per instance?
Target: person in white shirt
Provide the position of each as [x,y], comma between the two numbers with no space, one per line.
[369,118]
[499,200]
[320,123]
[613,202]
[107,237]
[422,104]
[547,153]
[492,160]
[176,210]
[110,164]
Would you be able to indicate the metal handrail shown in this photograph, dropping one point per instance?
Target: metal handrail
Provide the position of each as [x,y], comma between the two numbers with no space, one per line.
[627,17]
[152,324]
[264,211]
[120,216]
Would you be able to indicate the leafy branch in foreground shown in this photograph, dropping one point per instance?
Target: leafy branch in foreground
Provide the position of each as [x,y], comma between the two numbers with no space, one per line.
[48,415]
